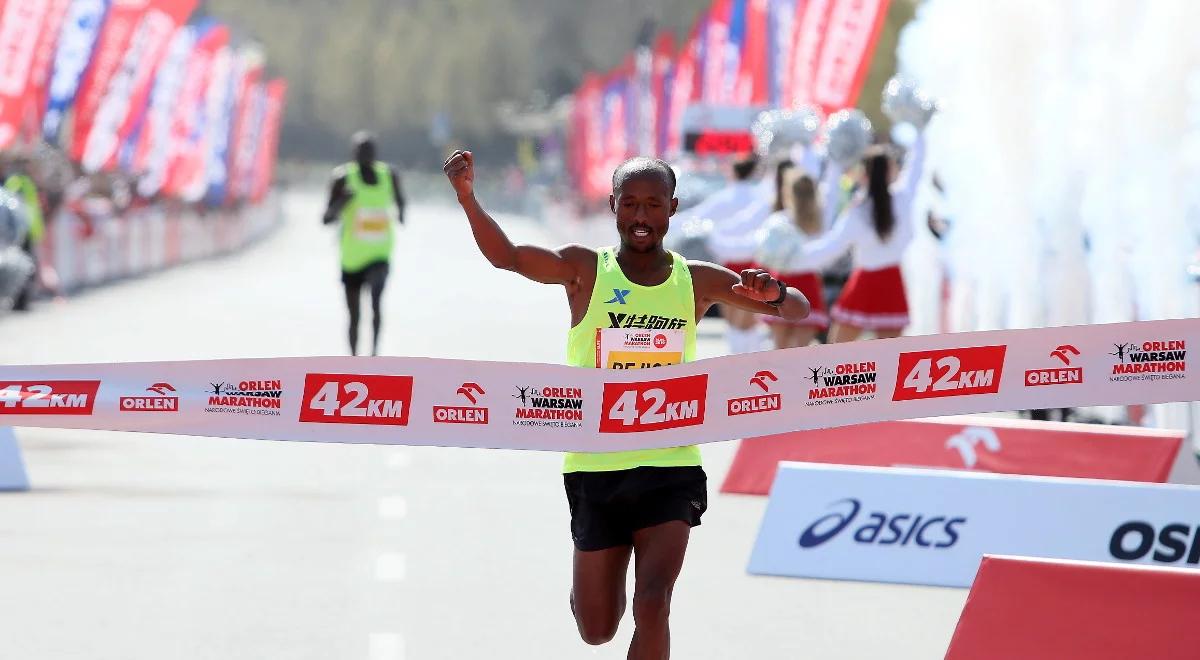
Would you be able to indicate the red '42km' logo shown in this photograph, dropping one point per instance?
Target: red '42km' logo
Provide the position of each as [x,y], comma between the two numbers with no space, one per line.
[949,372]
[654,405]
[356,399]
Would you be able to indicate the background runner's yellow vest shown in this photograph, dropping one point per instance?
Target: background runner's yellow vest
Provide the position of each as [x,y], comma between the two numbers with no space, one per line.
[24,187]
[368,219]
[618,303]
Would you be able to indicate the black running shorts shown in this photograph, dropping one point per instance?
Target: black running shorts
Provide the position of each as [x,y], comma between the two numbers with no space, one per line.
[607,507]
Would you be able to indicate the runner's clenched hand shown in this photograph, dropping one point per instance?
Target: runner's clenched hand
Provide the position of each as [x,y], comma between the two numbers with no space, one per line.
[460,169]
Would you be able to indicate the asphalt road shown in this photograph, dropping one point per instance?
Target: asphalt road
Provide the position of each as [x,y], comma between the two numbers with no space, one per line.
[141,546]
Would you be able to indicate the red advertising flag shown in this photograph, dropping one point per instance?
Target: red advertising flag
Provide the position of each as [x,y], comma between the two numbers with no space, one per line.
[664,46]
[716,37]
[808,40]
[21,23]
[241,153]
[752,77]
[129,87]
[268,152]
[43,60]
[186,157]
[123,18]
[853,28]
[683,89]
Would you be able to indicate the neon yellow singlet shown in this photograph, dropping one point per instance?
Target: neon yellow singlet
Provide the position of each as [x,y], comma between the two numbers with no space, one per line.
[23,186]
[613,334]
[368,219]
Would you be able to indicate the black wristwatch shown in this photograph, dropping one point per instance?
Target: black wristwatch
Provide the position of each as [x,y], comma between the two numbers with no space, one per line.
[782,294]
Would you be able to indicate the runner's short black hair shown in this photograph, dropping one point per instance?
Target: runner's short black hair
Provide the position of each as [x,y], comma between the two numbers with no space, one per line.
[640,166]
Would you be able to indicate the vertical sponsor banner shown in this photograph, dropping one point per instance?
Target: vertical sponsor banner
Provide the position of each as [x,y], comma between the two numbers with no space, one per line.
[660,85]
[39,73]
[584,134]
[186,160]
[213,129]
[734,46]
[21,23]
[80,29]
[751,88]
[268,152]
[242,186]
[152,148]
[244,140]
[780,19]
[220,161]
[715,39]
[682,89]
[128,90]
[808,40]
[117,30]
[851,33]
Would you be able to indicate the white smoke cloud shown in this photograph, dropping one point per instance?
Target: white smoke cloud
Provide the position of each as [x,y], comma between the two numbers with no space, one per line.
[1065,122]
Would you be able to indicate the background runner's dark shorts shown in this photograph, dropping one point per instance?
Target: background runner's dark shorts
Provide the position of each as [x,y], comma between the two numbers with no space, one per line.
[606,507]
[373,274]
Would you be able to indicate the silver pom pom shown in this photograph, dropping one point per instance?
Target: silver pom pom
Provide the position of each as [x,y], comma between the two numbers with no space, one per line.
[904,102]
[847,136]
[775,131]
[690,239]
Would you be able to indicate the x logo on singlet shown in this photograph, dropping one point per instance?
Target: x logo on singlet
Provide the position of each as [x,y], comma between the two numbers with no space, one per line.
[618,296]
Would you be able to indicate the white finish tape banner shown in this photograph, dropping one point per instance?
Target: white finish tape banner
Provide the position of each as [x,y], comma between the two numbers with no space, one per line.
[933,526]
[423,401]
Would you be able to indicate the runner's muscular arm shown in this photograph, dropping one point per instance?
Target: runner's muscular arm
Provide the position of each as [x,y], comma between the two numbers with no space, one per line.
[561,266]
[749,291]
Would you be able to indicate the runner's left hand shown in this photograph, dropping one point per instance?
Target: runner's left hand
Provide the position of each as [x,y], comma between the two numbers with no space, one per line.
[757,284]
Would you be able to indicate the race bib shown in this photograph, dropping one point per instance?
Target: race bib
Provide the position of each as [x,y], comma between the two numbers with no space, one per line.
[371,225]
[626,348]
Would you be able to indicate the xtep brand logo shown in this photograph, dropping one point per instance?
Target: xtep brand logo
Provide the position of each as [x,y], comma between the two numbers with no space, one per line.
[618,297]
[644,321]
[880,528]
[766,402]
[1058,376]
[164,402]
[463,414]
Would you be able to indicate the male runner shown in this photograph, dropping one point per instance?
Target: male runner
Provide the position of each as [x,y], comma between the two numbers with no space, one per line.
[641,502]
[365,196]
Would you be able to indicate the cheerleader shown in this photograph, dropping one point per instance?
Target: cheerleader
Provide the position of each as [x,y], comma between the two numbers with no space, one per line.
[734,241]
[876,228]
[780,251]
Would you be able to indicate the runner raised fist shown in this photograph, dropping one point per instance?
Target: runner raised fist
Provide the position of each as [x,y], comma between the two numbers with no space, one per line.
[460,169]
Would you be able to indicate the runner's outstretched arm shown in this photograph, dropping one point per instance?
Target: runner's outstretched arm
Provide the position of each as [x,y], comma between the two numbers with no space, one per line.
[752,290]
[539,264]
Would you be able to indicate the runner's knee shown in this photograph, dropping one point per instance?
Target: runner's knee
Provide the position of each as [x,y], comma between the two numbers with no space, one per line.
[651,603]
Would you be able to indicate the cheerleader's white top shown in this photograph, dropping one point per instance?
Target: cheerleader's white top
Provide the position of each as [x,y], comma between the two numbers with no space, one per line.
[854,229]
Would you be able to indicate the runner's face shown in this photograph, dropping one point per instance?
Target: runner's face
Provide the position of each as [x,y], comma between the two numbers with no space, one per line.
[644,207]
